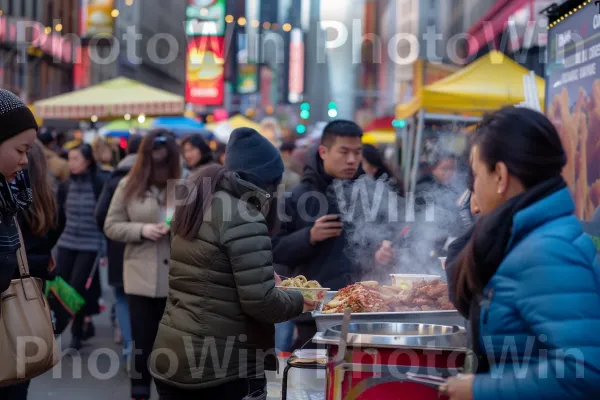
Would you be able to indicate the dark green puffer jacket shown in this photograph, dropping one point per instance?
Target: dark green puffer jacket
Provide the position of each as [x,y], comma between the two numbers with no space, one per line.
[219,321]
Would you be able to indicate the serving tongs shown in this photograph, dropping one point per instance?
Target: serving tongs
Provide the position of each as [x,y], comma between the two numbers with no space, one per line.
[427,380]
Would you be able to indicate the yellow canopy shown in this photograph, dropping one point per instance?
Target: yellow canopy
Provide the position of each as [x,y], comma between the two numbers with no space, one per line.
[487,84]
[237,121]
[110,99]
[383,136]
[223,129]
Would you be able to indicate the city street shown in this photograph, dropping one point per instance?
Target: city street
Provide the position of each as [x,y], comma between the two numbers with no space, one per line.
[66,383]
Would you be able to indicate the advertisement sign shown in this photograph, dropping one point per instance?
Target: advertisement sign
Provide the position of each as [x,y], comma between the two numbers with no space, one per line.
[266,86]
[247,73]
[96,17]
[205,18]
[296,77]
[573,102]
[205,72]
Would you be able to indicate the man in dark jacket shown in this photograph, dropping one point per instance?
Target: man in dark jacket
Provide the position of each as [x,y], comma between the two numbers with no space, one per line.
[311,240]
[116,250]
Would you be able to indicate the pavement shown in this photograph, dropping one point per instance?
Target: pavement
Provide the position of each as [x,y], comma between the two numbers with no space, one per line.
[97,372]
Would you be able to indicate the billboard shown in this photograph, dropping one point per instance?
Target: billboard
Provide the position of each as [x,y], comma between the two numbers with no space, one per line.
[296,75]
[573,102]
[205,18]
[96,18]
[205,71]
[247,72]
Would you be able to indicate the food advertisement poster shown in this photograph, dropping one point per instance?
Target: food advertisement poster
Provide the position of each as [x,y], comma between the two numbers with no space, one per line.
[205,72]
[205,18]
[573,102]
[247,73]
[96,17]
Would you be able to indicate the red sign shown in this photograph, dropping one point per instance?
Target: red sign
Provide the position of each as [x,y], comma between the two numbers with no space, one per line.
[81,69]
[205,72]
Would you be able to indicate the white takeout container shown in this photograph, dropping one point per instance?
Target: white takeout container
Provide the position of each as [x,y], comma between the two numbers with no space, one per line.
[405,281]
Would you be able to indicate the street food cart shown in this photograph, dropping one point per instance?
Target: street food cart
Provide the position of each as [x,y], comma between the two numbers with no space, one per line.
[462,97]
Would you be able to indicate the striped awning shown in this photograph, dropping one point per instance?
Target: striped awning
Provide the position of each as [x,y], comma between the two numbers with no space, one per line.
[111,99]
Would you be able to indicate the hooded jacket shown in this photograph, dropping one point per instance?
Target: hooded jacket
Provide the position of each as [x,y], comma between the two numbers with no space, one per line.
[222,295]
[326,262]
[115,250]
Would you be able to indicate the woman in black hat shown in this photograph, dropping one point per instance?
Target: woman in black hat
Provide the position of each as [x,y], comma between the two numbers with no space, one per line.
[17,134]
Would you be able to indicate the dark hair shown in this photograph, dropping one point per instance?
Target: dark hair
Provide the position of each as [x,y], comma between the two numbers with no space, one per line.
[143,172]
[45,135]
[198,142]
[88,154]
[339,128]
[527,142]
[133,143]
[374,157]
[42,215]
[288,146]
[523,139]
[189,217]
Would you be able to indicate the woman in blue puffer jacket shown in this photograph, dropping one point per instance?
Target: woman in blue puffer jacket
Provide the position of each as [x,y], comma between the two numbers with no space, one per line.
[530,269]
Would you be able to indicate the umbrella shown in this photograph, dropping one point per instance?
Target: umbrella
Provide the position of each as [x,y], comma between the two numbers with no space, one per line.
[182,126]
[122,128]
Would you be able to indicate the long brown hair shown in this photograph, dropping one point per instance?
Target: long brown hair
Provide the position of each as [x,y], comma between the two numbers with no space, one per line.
[144,172]
[42,215]
[189,217]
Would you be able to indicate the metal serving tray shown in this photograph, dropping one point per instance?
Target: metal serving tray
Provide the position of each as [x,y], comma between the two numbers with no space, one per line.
[394,335]
[447,318]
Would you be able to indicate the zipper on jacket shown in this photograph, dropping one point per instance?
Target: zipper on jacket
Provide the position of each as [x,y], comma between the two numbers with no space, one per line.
[486,308]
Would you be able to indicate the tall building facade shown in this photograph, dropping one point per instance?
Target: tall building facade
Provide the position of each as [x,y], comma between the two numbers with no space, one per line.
[38,46]
[148,44]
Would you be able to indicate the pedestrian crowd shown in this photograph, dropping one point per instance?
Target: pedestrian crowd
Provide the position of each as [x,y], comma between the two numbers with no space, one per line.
[196,239]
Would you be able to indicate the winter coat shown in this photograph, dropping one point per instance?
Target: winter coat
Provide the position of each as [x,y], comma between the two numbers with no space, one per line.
[78,197]
[145,262]
[326,262]
[222,294]
[542,306]
[39,250]
[114,250]
[58,166]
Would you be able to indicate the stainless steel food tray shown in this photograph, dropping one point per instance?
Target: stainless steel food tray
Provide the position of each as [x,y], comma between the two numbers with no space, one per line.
[394,335]
[326,321]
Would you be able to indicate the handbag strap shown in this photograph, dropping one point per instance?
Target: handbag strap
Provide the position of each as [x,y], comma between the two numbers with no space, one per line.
[21,255]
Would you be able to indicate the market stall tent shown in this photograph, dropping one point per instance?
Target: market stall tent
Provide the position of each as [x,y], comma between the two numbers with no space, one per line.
[111,99]
[485,85]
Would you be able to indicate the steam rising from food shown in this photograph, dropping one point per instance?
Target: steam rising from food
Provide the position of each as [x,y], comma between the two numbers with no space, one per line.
[372,212]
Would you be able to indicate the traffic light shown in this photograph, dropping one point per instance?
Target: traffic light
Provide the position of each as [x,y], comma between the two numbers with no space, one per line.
[305,107]
[332,109]
[301,129]
[305,114]
[399,123]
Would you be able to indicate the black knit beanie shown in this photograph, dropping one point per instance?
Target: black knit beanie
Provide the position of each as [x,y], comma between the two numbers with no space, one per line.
[15,116]
[250,153]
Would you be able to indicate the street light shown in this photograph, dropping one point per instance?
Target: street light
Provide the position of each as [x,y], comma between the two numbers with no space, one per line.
[94,118]
[229,19]
[114,13]
[58,27]
[242,21]
[127,117]
[142,118]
